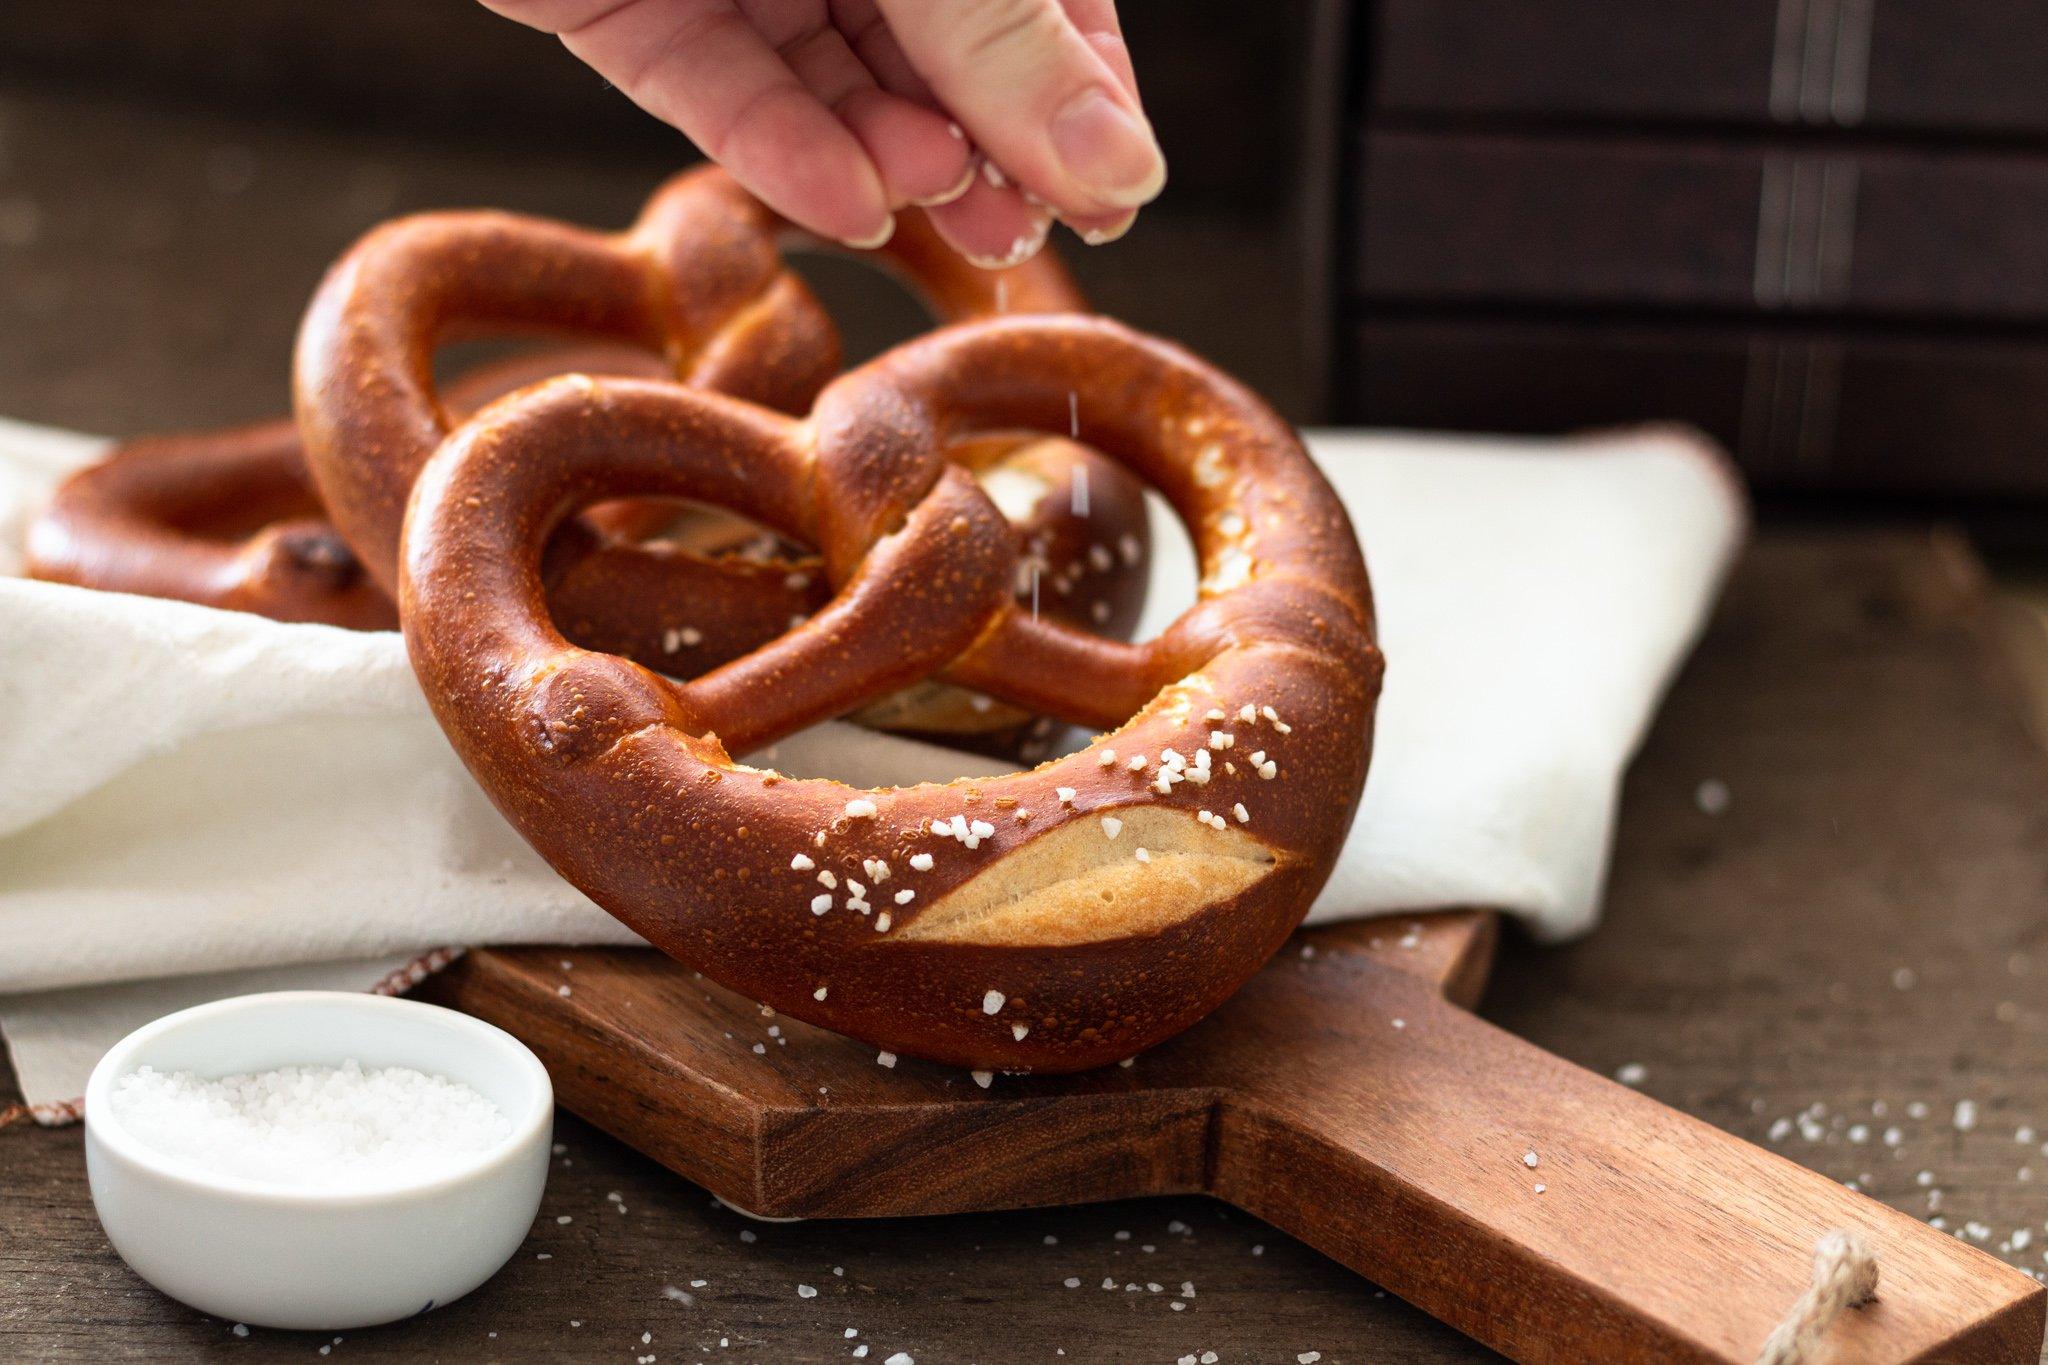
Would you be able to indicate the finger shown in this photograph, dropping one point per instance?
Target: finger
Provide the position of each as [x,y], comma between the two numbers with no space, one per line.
[923,155]
[921,161]
[1097,22]
[867,32]
[1037,97]
[700,66]
[1102,229]
[992,227]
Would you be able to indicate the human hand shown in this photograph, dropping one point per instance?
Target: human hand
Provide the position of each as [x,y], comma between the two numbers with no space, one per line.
[995,114]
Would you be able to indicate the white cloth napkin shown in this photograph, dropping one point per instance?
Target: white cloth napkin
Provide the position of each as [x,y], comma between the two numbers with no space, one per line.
[195,803]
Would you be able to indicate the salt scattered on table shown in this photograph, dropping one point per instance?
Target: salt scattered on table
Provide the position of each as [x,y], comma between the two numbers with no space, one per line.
[312,1127]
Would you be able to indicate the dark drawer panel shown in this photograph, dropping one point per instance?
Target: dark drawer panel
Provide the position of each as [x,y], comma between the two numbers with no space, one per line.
[1813,409]
[1964,66]
[1578,221]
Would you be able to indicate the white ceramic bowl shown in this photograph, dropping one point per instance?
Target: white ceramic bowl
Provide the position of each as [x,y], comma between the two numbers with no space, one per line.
[323,1260]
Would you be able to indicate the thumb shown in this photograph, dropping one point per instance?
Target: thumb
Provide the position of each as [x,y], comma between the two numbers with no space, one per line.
[1036,97]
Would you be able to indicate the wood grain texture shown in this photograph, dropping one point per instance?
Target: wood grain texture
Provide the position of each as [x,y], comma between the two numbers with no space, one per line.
[1337,1096]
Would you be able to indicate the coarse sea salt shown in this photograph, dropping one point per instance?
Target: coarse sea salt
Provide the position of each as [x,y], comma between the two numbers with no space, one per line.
[312,1127]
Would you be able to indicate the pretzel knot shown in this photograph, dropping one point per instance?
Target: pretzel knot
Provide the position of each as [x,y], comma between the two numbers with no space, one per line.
[698,280]
[1049,920]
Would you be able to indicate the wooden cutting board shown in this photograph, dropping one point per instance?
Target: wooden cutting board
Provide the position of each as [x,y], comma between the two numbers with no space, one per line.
[1345,1095]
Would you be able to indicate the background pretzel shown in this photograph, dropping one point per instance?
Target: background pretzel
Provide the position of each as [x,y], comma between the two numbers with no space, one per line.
[230,519]
[1050,920]
[700,280]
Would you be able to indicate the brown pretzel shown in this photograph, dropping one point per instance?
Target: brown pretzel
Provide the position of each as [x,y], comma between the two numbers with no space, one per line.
[700,279]
[229,518]
[1011,922]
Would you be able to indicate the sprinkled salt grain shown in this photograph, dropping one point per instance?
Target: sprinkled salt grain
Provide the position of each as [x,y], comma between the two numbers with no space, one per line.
[1065,794]
[1137,763]
[921,862]
[1105,758]
[984,1079]
[905,897]
[1221,739]
[1112,826]
[1529,1158]
[1072,1282]
[1241,813]
[860,808]
[240,1329]
[980,829]
[345,1127]
[1634,1073]
[992,1003]
[819,994]
[1966,1115]
[1018,1031]
[904,1357]
[801,863]
[882,922]
[1309,1357]
[828,879]
[820,903]
[1143,855]
[885,1059]
[804,1291]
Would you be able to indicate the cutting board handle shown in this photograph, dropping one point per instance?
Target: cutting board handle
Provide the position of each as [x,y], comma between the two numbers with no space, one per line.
[1554,1214]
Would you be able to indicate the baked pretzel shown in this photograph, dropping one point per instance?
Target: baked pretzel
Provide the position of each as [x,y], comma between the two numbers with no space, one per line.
[229,518]
[1050,920]
[700,279]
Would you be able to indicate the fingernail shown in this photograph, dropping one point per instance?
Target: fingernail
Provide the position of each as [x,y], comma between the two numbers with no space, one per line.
[1108,150]
[1022,249]
[958,188]
[1101,236]
[887,231]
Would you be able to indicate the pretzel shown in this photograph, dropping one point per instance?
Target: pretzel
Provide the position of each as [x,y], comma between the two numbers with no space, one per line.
[1049,920]
[229,518]
[700,279]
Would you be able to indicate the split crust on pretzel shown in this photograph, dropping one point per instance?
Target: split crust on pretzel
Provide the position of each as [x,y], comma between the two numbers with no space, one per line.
[1051,920]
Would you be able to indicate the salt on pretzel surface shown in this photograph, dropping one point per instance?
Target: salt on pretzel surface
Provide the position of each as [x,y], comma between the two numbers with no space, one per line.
[1050,920]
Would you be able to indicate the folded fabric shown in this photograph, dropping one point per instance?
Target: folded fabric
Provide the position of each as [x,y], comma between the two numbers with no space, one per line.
[191,793]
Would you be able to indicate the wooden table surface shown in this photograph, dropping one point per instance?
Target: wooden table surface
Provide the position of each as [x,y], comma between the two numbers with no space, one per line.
[1846,963]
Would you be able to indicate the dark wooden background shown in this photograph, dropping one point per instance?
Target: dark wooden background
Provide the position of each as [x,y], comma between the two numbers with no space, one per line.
[1863,929]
